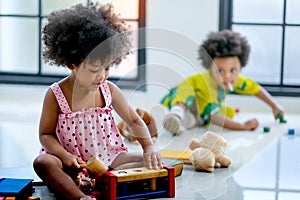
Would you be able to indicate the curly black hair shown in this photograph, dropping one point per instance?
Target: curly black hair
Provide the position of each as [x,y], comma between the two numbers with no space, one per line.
[224,43]
[81,33]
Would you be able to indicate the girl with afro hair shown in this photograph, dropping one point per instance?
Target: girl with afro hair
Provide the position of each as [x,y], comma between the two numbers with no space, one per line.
[198,99]
[76,121]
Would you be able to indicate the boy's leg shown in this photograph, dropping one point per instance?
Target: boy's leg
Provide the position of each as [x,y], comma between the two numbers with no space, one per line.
[181,118]
[191,117]
[173,121]
[190,120]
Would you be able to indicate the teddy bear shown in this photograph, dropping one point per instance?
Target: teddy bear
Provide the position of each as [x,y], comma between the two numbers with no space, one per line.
[208,152]
[149,121]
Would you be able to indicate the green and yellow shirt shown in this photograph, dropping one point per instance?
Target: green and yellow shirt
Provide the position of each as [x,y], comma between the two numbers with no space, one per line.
[203,90]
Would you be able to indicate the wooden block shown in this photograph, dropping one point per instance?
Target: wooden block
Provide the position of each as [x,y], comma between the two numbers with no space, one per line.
[107,183]
[153,184]
[10,198]
[171,182]
[34,198]
[138,174]
[176,155]
[15,188]
[177,164]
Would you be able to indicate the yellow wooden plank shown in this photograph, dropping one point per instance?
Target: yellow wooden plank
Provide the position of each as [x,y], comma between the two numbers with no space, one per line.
[176,155]
[34,198]
[138,174]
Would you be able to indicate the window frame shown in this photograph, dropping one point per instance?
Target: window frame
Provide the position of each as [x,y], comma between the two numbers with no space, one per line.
[39,78]
[226,22]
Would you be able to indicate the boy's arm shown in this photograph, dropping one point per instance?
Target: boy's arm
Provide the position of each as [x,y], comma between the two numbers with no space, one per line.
[226,122]
[268,99]
[248,86]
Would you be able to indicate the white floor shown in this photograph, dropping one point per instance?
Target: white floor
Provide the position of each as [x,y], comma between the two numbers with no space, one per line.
[266,166]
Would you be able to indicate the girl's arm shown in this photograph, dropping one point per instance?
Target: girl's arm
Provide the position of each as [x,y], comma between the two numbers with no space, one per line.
[135,123]
[226,122]
[48,139]
[267,98]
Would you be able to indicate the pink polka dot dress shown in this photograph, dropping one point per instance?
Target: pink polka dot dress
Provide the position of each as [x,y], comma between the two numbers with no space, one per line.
[89,132]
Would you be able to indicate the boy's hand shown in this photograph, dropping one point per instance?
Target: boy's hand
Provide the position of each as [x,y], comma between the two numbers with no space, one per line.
[251,124]
[278,110]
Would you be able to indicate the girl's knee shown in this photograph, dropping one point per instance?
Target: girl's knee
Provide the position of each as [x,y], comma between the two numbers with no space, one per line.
[39,161]
[45,161]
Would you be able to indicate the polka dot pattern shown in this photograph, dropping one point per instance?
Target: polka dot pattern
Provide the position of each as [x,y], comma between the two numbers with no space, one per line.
[89,132]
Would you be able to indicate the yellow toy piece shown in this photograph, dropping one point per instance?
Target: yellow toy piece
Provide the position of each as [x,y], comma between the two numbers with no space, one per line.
[176,155]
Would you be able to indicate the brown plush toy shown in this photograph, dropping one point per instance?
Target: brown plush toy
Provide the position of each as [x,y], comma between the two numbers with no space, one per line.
[208,152]
[149,121]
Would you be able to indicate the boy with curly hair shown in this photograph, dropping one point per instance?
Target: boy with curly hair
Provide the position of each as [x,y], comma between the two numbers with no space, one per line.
[198,99]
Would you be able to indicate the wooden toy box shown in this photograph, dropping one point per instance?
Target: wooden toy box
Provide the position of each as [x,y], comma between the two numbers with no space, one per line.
[137,183]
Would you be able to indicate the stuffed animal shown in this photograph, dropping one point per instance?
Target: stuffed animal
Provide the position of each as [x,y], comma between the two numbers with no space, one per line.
[208,152]
[149,121]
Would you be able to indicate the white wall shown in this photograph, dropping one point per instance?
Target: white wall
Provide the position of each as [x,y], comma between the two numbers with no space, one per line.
[175,29]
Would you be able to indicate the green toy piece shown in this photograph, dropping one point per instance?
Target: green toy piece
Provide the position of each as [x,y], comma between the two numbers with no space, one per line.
[267,129]
[281,120]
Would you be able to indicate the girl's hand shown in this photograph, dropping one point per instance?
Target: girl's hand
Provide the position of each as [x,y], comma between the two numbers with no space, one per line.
[71,160]
[251,124]
[153,159]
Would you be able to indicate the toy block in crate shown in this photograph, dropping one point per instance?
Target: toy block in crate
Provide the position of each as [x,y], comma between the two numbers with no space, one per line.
[137,183]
